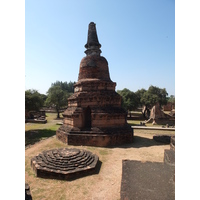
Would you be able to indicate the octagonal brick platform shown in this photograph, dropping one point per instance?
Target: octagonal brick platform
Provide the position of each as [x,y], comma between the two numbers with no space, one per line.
[64,163]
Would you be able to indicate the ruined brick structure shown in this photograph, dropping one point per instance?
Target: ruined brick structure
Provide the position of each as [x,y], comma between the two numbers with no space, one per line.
[64,163]
[169,106]
[94,116]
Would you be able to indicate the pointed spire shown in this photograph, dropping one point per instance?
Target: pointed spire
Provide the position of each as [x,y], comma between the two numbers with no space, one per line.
[93,46]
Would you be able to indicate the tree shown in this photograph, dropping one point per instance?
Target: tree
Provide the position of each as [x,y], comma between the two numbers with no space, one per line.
[154,95]
[44,97]
[129,99]
[58,97]
[171,99]
[33,100]
[69,87]
[139,94]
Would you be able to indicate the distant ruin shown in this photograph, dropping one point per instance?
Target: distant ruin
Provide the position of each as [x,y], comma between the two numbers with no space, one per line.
[35,117]
[157,116]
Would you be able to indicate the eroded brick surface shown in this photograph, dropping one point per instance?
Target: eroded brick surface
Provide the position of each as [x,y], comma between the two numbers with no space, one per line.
[64,163]
[94,116]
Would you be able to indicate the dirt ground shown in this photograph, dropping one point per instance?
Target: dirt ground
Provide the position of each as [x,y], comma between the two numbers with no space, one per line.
[105,185]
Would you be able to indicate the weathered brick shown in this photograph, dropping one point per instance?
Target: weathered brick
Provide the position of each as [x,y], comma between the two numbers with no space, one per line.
[94,116]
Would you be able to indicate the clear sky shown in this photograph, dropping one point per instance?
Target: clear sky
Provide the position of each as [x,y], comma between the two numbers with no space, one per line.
[137,38]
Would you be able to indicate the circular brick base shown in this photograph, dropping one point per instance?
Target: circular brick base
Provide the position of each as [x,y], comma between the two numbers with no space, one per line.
[64,163]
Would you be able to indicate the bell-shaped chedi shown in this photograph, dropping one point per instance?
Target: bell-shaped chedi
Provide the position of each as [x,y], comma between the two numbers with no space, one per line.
[94,116]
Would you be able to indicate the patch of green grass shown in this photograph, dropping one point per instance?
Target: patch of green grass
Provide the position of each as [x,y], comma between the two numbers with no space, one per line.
[33,136]
[48,125]
[63,197]
[103,152]
[35,132]
[85,192]
[56,144]
[134,122]
[54,127]
[51,123]
[90,148]
[153,132]
[29,170]
[39,193]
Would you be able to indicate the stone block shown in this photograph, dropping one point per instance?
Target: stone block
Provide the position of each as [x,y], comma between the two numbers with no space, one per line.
[147,180]
[162,138]
[169,157]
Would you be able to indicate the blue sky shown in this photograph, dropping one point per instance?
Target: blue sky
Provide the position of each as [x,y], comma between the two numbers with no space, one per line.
[137,38]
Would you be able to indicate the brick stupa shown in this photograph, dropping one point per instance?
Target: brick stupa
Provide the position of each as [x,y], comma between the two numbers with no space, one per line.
[94,116]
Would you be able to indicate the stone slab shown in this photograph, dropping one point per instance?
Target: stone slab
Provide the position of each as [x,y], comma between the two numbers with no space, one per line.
[147,181]
[153,128]
[172,143]
[162,138]
[169,157]
[36,121]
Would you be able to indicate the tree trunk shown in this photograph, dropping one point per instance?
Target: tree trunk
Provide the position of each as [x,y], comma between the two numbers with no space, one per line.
[58,114]
[146,113]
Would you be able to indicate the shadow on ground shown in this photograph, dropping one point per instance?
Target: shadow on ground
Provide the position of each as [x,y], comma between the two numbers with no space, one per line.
[139,142]
[33,136]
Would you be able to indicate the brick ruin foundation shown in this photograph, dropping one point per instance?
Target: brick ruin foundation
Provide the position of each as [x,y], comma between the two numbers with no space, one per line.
[94,116]
[64,164]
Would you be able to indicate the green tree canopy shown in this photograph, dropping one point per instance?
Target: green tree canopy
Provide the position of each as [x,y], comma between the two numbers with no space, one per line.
[139,94]
[154,95]
[69,87]
[129,99]
[58,97]
[171,99]
[33,100]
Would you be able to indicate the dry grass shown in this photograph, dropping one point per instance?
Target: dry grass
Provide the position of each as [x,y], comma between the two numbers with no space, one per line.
[105,185]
